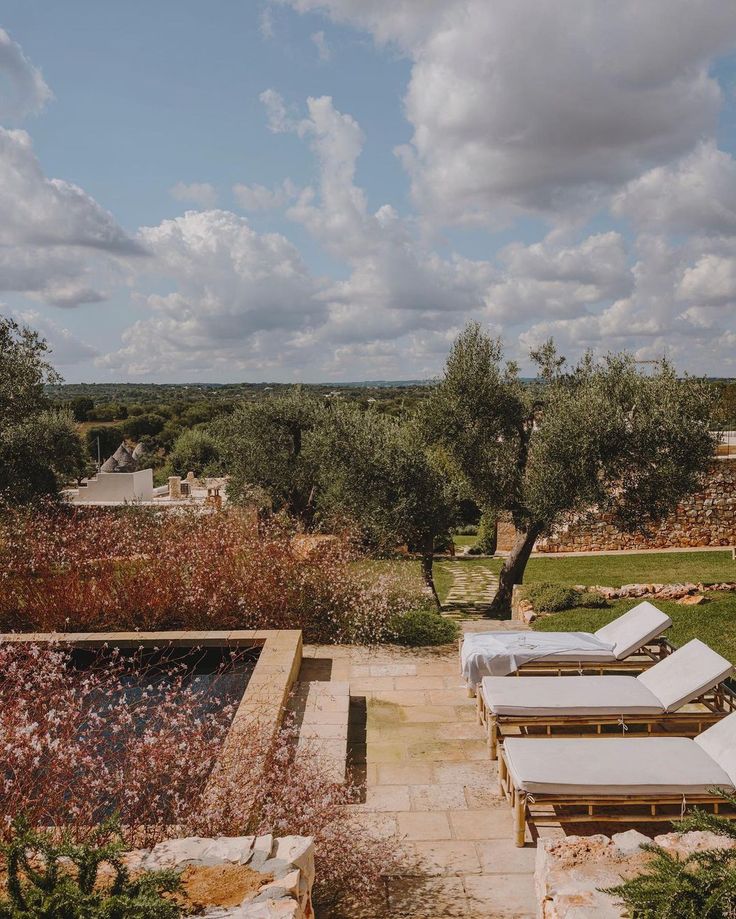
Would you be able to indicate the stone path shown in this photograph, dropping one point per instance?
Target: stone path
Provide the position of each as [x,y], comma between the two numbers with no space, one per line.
[473,588]
[414,738]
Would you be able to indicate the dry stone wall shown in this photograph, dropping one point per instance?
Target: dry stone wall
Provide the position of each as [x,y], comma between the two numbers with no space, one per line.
[708,518]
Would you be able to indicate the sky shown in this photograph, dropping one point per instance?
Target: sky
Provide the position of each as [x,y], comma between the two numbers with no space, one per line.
[329,190]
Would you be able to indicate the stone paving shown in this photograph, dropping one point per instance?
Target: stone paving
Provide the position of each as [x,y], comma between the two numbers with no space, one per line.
[473,588]
[414,739]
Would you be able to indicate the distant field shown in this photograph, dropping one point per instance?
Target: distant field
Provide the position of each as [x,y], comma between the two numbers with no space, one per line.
[465,540]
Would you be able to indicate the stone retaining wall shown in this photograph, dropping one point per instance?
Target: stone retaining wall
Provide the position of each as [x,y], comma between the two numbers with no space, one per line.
[287,864]
[571,871]
[707,518]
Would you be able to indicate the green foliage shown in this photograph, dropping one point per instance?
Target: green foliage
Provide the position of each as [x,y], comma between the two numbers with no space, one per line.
[195,450]
[271,445]
[39,446]
[381,475]
[142,426]
[700,886]
[487,534]
[551,598]
[81,407]
[591,600]
[109,436]
[423,627]
[59,880]
[598,434]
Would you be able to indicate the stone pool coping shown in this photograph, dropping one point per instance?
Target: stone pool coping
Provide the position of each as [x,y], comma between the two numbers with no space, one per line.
[269,686]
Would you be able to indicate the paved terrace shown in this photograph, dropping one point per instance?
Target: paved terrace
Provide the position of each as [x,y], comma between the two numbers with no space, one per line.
[414,736]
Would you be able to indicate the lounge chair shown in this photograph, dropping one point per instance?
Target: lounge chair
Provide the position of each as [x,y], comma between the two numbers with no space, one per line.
[652,701]
[630,643]
[617,779]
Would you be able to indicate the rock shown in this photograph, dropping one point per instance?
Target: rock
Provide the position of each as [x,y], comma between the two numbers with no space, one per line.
[261,851]
[684,844]
[692,600]
[630,842]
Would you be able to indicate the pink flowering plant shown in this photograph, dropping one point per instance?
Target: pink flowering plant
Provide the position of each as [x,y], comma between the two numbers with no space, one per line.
[78,745]
[65,569]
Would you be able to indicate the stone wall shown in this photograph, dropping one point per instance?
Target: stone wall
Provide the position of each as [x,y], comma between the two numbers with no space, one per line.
[286,863]
[570,871]
[708,518]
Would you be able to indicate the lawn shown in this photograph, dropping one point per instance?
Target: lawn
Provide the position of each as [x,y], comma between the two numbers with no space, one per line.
[713,622]
[465,540]
[615,570]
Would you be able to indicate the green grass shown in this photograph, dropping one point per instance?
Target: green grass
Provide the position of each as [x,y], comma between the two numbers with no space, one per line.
[465,540]
[615,570]
[713,622]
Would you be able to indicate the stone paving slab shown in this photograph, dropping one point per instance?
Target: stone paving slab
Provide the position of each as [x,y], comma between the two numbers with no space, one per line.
[429,781]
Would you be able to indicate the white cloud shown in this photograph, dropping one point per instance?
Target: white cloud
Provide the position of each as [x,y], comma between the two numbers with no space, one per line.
[23,90]
[546,279]
[519,111]
[66,348]
[201,193]
[698,193]
[266,24]
[259,198]
[56,242]
[320,43]
[710,282]
[235,290]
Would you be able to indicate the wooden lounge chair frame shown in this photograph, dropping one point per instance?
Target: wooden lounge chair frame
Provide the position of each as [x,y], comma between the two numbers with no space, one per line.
[569,809]
[715,704]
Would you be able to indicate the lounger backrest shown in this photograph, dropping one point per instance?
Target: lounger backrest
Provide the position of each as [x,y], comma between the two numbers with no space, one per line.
[719,742]
[634,629]
[688,673]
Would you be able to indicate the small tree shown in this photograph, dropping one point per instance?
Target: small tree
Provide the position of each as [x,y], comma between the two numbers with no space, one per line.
[381,475]
[196,450]
[269,444]
[39,448]
[601,435]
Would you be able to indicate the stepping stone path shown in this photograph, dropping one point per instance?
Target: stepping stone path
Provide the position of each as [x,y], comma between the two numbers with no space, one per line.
[473,588]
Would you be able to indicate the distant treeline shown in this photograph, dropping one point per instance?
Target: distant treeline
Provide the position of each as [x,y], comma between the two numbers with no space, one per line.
[158,413]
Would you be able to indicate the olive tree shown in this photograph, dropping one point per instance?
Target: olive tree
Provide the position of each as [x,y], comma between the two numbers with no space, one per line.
[599,436]
[269,444]
[39,447]
[378,471]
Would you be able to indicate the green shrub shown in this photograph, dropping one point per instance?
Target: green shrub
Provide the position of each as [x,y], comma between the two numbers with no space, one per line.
[468,529]
[551,598]
[700,886]
[589,599]
[423,627]
[48,878]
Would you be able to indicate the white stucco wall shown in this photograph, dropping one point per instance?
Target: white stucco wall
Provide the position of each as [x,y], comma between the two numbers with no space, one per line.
[118,486]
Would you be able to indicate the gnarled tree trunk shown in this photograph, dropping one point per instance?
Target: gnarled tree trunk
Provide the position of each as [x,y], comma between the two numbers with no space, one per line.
[513,572]
[427,573]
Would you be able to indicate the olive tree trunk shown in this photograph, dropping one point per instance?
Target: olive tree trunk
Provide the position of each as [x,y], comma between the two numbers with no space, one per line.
[427,572]
[512,572]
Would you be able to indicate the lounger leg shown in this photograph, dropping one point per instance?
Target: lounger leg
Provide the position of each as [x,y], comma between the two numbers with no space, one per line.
[492,736]
[471,691]
[519,819]
[502,775]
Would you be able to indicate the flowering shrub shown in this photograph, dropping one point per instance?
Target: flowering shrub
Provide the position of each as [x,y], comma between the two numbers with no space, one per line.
[64,569]
[77,745]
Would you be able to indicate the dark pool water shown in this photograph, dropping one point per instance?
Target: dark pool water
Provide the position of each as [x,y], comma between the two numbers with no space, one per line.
[217,677]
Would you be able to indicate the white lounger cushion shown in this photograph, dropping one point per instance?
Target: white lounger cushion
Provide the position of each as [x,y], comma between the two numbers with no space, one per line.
[538,696]
[629,632]
[686,674]
[719,742]
[668,685]
[613,766]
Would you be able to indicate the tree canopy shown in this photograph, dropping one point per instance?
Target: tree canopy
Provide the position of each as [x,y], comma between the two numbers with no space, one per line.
[597,435]
[39,447]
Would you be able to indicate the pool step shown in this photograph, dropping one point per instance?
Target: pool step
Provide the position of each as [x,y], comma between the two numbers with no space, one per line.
[324,727]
